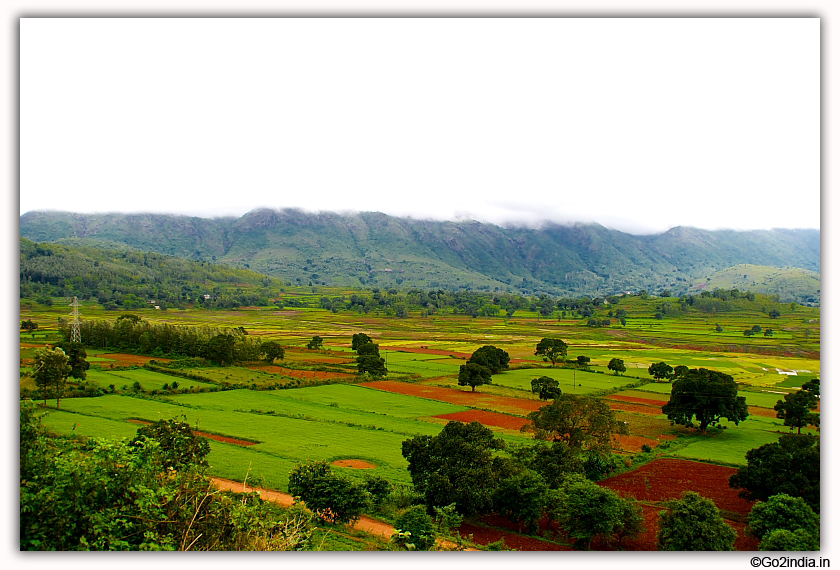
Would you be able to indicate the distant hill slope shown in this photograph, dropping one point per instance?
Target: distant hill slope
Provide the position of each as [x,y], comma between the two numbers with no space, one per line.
[790,283]
[373,249]
[118,274]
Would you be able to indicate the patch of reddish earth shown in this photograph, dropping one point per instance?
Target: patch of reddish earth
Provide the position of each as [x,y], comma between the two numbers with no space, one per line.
[293,373]
[484,535]
[354,464]
[129,359]
[633,443]
[636,408]
[458,397]
[214,437]
[423,350]
[634,400]
[665,479]
[492,419]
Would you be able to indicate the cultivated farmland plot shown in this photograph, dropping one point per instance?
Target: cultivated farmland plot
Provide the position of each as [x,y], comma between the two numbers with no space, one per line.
[261,433]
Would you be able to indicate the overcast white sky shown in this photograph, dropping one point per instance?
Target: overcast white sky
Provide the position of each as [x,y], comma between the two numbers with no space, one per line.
[638,124]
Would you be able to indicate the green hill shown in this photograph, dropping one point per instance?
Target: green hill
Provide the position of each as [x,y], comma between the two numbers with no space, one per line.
[789,283]
[375,250]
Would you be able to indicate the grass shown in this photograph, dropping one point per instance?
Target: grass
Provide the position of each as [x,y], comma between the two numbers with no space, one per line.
[571,381]
[345,420]
[148,379]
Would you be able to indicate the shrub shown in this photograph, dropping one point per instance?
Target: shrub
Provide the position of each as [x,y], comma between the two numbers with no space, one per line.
[419,525]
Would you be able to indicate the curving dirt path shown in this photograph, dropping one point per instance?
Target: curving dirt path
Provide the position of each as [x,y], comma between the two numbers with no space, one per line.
[364,523]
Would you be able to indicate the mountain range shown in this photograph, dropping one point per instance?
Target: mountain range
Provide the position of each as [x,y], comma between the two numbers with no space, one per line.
[376,250]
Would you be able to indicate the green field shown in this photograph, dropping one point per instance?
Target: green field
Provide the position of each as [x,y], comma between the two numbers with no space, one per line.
[148,379]
[343,420]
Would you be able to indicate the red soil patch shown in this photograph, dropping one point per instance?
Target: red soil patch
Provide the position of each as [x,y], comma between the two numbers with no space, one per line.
[32,345]
[636,408]
[483,535]
[354,464]
[423,350]
[633,443]
[459,397]
[633,400]
[129,359]
[665,479]
[291,372]
[486,418]
[212,436]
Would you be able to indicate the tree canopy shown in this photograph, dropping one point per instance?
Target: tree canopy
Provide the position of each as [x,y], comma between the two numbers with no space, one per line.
[548,388]
[456,466]
[179,446]
[333,497]
[693,523]
[493,358]
[552,349]
[358,340]
[112,495]
[472,375]
[707,396]
[272,350]
[51,369]
[660,370]
[617,366]
[790,466]
[371,364]
[783,512]
[586,510]
[796,408]
[582,422]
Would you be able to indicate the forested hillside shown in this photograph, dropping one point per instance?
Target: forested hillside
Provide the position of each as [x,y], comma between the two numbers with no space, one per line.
[376,250]
[117,275]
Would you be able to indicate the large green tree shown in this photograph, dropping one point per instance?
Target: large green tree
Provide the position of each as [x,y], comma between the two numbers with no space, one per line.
[358,340]
[660,370]
[548,388]
[706,396]
[617,366]
[493,358]
[50,370]
[272,350]
[521,498]
[456,466]
[783,512]
[582,422]
[790,541]
[472,375]
[371,364]
[790,466]
[552,349]
[693,523]
[586,511]
[76,358]
[796,408]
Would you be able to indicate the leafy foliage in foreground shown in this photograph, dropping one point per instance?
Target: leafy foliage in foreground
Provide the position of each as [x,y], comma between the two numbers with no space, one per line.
[693,523]
[331,496]
[456,466]
[111,495]
[790,466]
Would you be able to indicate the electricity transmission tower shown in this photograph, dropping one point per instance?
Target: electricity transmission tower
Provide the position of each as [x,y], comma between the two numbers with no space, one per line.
[75,335]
